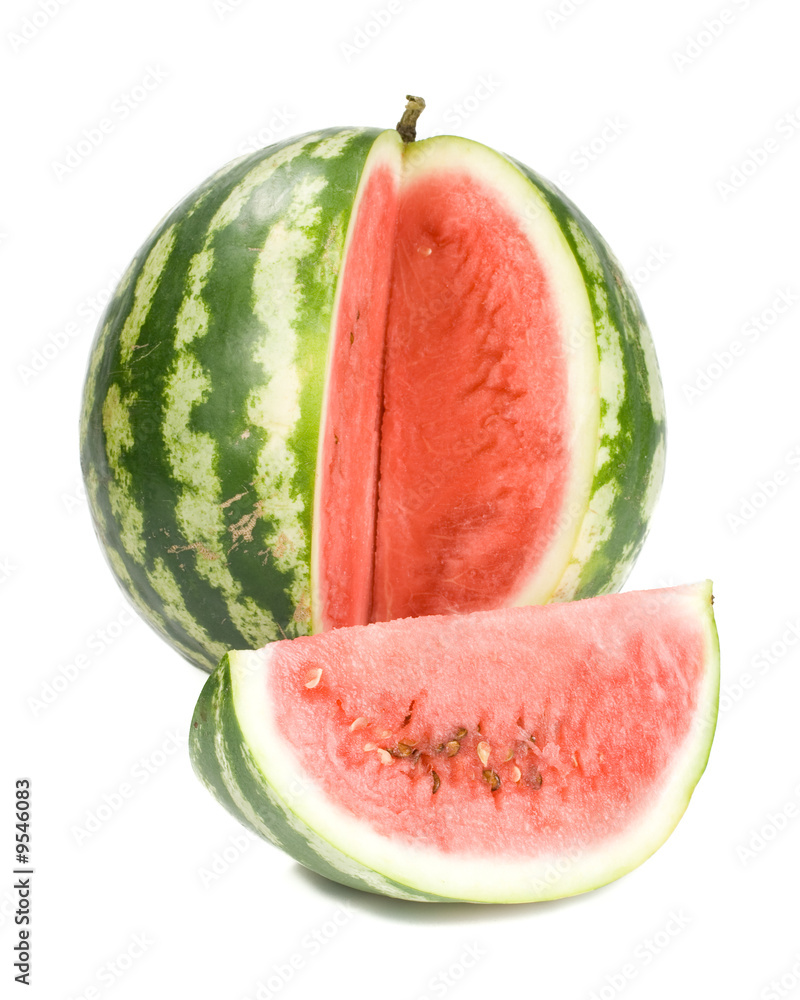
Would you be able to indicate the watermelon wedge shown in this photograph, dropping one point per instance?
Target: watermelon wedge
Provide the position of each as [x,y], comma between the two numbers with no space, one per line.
[350,379]
[499,756]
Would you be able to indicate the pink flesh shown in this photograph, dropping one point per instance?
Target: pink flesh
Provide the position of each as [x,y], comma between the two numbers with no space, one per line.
[352,429]
[459,343]
[594,698]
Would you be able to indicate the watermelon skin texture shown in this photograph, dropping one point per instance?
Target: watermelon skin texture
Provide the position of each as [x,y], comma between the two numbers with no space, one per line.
[208,527]
[227,766]
[210,560]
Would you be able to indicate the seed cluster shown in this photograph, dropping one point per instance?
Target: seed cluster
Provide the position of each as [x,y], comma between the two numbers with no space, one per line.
[421,752]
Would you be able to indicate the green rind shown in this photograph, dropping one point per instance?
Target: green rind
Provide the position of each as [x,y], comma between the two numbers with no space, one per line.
[223,762]
[230,770]
[169,398]
[630,465]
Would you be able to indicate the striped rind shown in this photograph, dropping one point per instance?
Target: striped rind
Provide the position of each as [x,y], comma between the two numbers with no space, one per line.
[629,462]
[226,766]
[254,773]
[203,399]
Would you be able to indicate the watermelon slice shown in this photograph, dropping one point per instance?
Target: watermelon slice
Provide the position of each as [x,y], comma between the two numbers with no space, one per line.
[499,756]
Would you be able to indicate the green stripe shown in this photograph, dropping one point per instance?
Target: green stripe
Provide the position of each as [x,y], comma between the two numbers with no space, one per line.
[202,475]
[223,762]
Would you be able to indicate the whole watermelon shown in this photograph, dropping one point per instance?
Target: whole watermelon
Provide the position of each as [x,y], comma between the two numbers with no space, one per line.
[353,378]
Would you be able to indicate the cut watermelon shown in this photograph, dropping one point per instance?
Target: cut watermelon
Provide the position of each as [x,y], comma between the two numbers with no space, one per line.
[350,379]
[499,756]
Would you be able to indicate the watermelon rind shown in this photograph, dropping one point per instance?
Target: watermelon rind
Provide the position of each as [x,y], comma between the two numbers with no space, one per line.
[204,401]
[248,767]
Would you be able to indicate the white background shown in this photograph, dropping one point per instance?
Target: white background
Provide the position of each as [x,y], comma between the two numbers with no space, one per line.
[669,108]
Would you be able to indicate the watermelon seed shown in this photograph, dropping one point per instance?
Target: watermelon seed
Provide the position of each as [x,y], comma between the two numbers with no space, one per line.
[452,748]
[535,781]
[370,746]
[407,719]
[313,677]
[484,750]
[385,735]
[385,756]
[492,778]
[404,749]
[358,723]
[436,782]
[462,733]
[424,251]
[509,754]
[516,774]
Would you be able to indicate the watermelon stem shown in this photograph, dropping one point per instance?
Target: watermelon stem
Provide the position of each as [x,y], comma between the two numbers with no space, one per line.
[407,126]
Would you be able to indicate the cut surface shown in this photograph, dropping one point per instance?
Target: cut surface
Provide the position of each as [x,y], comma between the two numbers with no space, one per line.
[451,357]
[472,757]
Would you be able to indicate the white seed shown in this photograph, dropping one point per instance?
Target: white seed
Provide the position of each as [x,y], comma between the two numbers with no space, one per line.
[385,756]
[358,723]
[385,735]
[509,754]
[484,750]
[424,251]
[516,774]
[313,676]
[370,746]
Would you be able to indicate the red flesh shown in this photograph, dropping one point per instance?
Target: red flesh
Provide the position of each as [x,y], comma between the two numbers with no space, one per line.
[448,387]
[594,698]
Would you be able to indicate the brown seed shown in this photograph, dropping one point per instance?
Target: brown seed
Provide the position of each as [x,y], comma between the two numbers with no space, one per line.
[404,749]
[492,779]
[313,677]
[436,782]
[484,750]
[452,748]
[535,780]
[358,723]
[461,734]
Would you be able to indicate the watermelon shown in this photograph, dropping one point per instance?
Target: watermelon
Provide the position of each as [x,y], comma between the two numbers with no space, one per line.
[511,755]
[350,379]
